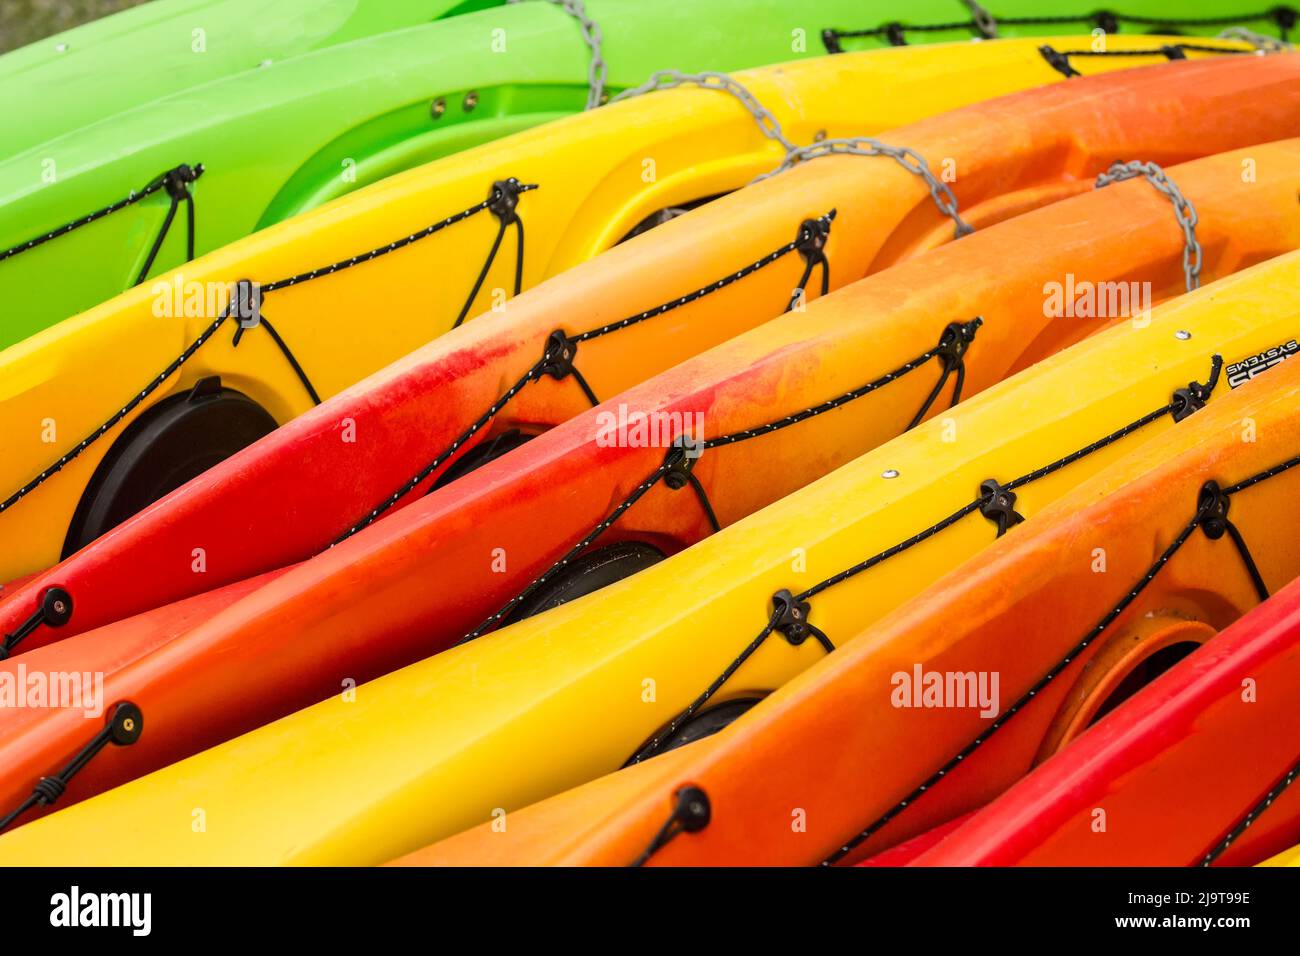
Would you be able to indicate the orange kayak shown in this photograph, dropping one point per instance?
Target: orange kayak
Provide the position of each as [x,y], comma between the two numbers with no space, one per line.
[364,608]
[638,310]
[1196,768]
[864,750]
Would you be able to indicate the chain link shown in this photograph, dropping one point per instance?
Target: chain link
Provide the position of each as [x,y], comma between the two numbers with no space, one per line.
[1183,210]
[908,158]
[905,156]
[597,72]
[983,21]
[1260,41]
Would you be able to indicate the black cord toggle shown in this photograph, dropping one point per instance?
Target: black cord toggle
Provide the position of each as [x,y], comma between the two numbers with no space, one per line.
[680,461]
[559,355]
[1173,52]
[679,468]
[1058,61]
[790,620]
[894,33]
[811,245]
[55,610]
[557,362]
[813,234]
[1192,399]
[505,199]
[246,307]
[124,728]
[502,202]
[998,504]
[691,813]
[953,344]
[177,181]
[1106,21]
[1212,511]
[831,40]
[956,341]
[1284,17]
[693,809]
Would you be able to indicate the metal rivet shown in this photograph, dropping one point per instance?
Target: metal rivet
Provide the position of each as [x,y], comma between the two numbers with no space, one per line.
[1182,335]
[264,64]
[438,108]
[471,101]
[61,48]
[889,473]
[819,136]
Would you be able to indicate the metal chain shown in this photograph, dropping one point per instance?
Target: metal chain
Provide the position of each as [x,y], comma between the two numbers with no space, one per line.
[713,80]
[905,156]
[597,72]
[982,20]
[1260,41]
[908,158]
[1183,209]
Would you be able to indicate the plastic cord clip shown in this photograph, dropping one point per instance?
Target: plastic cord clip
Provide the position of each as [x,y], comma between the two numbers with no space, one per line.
[55,610]
[999,506]
[790,620]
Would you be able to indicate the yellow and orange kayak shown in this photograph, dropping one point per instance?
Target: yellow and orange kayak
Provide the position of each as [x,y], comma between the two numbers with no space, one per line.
[375,773]
[948,700]
[778,408]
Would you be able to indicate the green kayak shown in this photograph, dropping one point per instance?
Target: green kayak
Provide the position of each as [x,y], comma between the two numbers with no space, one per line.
[99,208]
[89,74]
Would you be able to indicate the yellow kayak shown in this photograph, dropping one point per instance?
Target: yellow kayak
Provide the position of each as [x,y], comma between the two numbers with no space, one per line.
[560,699]
[345,293]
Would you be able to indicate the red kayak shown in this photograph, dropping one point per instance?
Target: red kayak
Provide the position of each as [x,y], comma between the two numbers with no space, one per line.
[1197,768]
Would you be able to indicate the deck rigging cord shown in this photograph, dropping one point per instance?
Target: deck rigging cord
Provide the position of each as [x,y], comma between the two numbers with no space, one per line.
[1241,825]
[177,184]
[245,306]
[677,469]
[985,25]
[1211,517]
[124,727]
[1059,60]
[559,355]
[996,502]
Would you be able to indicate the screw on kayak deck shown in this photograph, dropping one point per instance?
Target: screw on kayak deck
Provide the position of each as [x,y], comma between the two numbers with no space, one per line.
[438,107]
